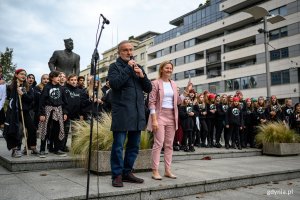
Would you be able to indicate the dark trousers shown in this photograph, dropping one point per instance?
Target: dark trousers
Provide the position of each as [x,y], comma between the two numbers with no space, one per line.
[219,130]
[197,137]
[188,138]
[67,125]
[234,133]
[250,135]
[210,125]
[227,136]
[2,116]
[203,131]
[31,130]
[52,135]
[119,165]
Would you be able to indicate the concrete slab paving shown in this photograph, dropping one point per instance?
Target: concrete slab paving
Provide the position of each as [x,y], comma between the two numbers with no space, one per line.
[194,176]
[282,190]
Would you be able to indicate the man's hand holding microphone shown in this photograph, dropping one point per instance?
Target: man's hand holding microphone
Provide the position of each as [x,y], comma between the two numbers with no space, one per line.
[138,71]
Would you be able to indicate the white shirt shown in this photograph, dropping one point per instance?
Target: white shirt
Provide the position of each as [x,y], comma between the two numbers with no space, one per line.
[168,99]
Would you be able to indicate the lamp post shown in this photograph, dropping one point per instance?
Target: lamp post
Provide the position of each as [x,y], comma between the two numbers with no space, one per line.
[261,13]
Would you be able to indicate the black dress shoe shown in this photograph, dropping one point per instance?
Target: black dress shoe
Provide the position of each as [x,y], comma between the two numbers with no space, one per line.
[132,179]
[117,181]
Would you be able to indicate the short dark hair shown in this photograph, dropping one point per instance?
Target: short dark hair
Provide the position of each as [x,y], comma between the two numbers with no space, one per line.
[80,77]
[53,74]
[31,75]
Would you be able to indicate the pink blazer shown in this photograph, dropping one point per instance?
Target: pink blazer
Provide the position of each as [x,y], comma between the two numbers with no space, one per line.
[156,98]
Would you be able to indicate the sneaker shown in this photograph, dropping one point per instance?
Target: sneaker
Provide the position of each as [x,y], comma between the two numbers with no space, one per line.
[132,179]
[16,153]
[117,181]
[42,154]
[60,153]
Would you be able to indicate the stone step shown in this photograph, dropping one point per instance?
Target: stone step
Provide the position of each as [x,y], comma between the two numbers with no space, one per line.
[214,153]
[52,161]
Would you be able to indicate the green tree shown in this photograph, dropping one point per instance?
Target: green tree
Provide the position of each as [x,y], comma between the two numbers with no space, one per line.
[7,65]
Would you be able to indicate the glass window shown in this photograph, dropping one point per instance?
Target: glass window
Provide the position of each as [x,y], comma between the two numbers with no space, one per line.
[275,55]
[252,81]
[228,85]
[276,78]
[283,11]
[237,84]
[274,34]
[142,56]
[212,87]
[159,53]
[285,53]
[245,82]
[200,71]
[283,31]
[285,76]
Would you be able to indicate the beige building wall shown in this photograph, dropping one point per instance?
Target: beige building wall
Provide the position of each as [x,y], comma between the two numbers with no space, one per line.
[221,37]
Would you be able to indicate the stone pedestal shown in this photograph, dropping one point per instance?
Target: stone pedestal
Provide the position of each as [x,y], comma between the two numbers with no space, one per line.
[142,163]
[281,149]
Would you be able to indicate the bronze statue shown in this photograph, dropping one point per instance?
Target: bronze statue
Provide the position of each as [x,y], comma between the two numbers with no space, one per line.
[65,60]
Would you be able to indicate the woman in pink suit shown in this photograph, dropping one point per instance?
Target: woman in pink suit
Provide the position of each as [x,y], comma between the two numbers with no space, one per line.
[163,102]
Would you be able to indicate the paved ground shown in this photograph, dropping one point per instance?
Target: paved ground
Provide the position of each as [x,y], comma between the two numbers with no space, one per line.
[285,190]
[67,183]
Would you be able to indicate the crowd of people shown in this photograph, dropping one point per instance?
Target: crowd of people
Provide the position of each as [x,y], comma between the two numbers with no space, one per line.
[205,116]
[177,121]
[46,109]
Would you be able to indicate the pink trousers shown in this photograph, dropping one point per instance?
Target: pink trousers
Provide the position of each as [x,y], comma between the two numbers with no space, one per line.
[164,137]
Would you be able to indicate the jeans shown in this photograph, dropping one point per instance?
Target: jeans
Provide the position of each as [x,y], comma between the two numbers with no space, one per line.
[118,165]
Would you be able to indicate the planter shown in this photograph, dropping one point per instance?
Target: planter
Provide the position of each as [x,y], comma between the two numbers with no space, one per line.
[281,149]
[142,163]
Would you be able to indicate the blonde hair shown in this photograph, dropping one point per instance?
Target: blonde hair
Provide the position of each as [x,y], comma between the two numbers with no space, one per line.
[162,65]
[90,88]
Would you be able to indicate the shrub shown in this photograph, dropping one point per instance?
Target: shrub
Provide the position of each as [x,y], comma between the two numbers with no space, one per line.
[276,132]
[101,141]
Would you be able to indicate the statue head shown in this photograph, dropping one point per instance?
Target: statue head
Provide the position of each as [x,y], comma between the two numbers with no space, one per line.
[69,44]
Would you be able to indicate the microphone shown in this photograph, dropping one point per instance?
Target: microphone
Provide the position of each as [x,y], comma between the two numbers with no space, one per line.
[106,21]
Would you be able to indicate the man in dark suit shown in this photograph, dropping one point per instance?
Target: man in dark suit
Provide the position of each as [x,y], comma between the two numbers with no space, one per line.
[127,81]
[65,60]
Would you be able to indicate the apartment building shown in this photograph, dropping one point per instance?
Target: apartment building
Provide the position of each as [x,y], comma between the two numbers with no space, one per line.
[141,44]
[219,47]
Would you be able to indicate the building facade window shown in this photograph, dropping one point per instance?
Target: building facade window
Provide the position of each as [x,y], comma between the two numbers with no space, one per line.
[159,54]
[214,87]
[186,74]
[247,82]
[280,77]
[279,53]
[278,33]
[142,56]
[279,11]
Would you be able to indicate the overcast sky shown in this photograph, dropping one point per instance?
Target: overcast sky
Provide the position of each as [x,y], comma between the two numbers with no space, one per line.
[35,28]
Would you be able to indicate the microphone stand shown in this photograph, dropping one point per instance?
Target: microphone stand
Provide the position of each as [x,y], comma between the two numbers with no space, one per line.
[94,61]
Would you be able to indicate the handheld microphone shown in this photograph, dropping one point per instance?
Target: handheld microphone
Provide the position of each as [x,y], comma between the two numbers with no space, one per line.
[106,21]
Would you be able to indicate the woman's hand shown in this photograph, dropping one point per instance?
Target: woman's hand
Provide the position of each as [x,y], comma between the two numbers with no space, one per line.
[154,126]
